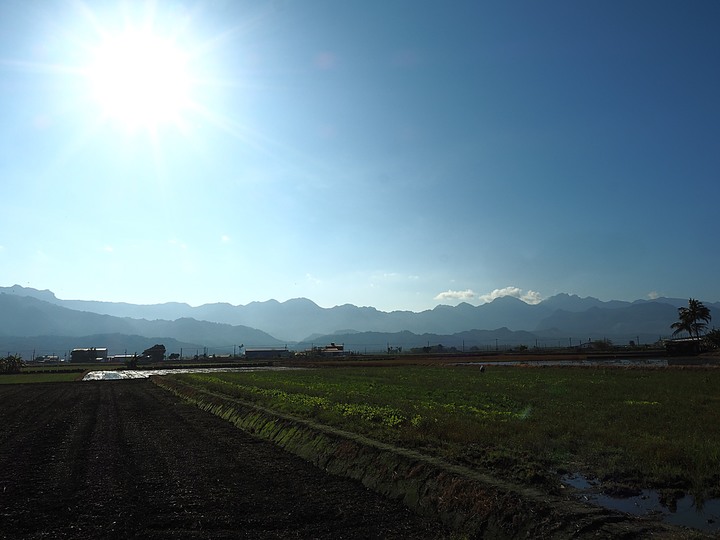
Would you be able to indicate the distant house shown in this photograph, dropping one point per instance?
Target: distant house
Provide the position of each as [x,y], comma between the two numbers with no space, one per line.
[267,353]
[329,350]
[93,354]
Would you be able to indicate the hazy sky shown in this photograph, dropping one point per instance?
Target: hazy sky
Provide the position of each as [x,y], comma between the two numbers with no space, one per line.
[394,154]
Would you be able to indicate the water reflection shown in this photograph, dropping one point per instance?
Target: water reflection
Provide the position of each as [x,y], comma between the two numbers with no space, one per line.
[685,512]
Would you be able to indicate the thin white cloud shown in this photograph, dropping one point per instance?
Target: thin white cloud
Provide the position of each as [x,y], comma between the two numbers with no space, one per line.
[653,295]
[456,295]
[225,239]
[532,297]
[529,297]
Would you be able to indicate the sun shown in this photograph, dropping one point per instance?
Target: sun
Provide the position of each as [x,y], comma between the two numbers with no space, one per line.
[140,79]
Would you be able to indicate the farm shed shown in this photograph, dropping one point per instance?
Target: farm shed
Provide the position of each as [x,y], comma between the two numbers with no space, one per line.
[683,346]
[267,353]
[92,354]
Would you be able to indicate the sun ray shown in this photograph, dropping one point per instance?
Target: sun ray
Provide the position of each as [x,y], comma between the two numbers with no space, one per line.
[40,67]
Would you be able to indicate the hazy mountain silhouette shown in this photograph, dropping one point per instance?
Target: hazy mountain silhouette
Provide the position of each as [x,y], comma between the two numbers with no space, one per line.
[30,347]
[23,316]
[483,340]
[574,303]
[273,323]
[651,319]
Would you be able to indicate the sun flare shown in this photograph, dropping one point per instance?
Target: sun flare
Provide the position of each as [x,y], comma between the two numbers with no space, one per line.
[140,80]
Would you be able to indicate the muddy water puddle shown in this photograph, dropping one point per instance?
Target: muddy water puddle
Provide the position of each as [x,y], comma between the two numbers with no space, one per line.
[684,512]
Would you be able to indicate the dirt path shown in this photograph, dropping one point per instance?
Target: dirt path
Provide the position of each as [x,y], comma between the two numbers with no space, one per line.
[124,459]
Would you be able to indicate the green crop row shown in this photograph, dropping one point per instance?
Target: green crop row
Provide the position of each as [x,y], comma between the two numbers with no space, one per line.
[642,427]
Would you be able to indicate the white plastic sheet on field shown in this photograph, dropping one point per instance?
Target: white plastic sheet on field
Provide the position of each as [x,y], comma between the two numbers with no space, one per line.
[110,375]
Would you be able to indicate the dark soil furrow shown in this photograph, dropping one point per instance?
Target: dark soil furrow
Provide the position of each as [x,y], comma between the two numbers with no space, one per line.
[125,459]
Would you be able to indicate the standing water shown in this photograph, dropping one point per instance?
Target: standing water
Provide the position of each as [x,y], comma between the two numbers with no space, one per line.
[685,512]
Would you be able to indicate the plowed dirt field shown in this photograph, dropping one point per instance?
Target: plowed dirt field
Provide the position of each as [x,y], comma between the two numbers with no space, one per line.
[125,459]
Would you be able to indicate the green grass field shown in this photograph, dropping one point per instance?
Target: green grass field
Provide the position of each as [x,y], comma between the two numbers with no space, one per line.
[31,377]
[636,427]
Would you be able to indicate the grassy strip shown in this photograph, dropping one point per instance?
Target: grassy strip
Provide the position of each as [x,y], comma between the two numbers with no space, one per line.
[18,378]
[638,427]
[472,503]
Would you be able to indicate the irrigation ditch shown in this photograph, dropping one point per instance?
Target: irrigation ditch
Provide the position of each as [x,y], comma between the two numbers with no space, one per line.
[475,504]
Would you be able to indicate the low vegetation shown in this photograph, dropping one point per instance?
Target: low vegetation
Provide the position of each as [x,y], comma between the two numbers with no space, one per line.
[628,427]
[11,364]
[40,377]
[13,369]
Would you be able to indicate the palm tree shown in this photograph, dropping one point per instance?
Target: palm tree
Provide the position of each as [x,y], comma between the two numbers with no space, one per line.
[692,319]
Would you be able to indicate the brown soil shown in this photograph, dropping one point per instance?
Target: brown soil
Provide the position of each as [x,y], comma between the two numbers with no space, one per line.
[125,459]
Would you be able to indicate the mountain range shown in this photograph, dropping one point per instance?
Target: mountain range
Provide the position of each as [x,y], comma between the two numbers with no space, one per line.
[26,314]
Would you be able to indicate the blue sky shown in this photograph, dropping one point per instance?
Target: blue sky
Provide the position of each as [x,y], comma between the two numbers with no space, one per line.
[393,154]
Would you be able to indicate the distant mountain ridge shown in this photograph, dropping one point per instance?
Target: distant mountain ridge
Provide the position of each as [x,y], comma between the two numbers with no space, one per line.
[60,346]
[29,317]
[272,323]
